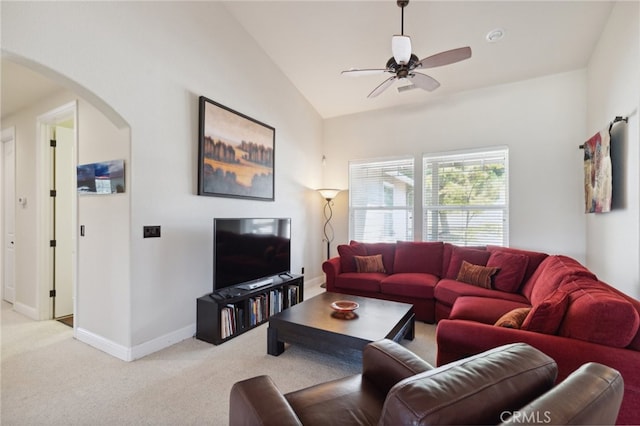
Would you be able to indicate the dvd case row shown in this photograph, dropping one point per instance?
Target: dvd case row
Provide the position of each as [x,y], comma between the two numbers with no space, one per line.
[256,310]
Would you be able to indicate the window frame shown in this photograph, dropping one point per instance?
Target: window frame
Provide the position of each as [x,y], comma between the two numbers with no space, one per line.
[407,210]
[477,154]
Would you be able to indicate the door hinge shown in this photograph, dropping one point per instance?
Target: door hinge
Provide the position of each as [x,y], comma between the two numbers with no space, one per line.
[52,143]
[52,243]
[53,193]
[52,293]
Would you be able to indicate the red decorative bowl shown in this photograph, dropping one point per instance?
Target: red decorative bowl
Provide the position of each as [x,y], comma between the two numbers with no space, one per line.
[344,306]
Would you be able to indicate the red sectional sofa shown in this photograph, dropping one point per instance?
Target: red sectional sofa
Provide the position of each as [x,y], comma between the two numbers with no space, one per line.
[561,306]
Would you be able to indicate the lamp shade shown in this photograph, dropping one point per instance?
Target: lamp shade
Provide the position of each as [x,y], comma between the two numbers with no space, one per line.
[401,48]
[329,194]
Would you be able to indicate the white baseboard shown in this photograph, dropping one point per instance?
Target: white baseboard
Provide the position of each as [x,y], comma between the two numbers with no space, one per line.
[136,352]
[162,342]
[26,310]
[105,345]
[314,281]
[130,354]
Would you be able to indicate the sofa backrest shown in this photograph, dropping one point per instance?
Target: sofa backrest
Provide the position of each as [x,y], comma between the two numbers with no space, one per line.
[474,390]
[549,275]
[419,257]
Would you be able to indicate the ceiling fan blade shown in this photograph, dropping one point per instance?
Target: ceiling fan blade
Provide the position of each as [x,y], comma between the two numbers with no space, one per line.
[363,72]
[382,87]
[407,87]
[446,58]
[424,81]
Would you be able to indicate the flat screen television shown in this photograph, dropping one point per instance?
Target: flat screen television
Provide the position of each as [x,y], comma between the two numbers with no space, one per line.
[250,249]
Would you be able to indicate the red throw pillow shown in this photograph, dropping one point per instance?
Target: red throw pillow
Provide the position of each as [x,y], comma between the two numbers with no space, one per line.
[418,257]
[347,253]
[512,269]
[369,263]
[476,274]
[513,318]
[535,258]
[547,316]
[387,250]
[458,254]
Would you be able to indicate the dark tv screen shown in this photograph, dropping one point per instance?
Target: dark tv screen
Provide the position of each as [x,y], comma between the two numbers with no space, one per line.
[249,249]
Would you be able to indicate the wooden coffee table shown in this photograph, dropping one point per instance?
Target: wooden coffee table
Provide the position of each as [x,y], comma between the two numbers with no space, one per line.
[313,323]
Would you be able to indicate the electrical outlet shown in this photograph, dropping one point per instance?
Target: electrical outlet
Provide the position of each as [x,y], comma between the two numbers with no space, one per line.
[151,231]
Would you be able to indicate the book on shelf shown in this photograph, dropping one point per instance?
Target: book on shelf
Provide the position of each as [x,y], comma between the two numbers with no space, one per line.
[231,320]
[292,295]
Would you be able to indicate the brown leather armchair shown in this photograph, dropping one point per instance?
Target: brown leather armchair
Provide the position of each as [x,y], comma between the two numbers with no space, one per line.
[512,384]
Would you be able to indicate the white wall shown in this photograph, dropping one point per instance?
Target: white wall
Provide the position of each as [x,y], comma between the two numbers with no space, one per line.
[542,121]
[150,61]
[613,87]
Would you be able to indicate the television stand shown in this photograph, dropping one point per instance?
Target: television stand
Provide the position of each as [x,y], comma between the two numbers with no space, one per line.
[229,312]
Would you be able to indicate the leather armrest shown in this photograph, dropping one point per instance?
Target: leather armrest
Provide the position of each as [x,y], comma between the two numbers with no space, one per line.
[257,401]
[386,362]
[590,395]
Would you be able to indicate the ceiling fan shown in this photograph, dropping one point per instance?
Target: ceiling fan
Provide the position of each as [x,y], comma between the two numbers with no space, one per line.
[405,65]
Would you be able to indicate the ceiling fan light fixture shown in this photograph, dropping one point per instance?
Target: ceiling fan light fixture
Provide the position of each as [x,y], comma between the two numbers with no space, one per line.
[401,48]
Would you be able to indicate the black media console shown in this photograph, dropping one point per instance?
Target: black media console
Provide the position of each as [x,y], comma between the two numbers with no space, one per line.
[229,312]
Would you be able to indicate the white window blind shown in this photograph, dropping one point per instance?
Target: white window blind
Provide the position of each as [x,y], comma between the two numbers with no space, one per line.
[381,195]
[465,198]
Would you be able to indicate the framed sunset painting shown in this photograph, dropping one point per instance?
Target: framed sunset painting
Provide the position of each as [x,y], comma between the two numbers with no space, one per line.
[235,155]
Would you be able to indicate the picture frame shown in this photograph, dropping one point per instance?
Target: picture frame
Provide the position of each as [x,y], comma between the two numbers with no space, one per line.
[236,154]
[102,178]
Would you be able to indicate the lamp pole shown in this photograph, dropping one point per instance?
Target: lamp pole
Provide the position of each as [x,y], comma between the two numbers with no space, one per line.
[327,225]
[328,195]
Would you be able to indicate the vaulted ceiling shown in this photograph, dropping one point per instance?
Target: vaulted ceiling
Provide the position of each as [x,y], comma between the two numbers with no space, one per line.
[313,41]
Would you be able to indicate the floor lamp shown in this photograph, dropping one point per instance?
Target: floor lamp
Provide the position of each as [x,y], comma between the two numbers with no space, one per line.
[328,195]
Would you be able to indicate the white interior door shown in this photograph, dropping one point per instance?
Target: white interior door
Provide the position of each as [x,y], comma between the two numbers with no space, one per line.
[65,171]
[8,215]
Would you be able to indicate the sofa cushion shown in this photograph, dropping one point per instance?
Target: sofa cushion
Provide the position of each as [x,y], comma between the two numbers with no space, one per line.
[546,316]
[447,291]
[424,257]
[553,271]
[369,263]
[410,284]
[347,253]
[471,255]
[486,310]
[512,269]
[387,250]
[364,281]
[476,274]
[513,318]
[535,258]
[598,315]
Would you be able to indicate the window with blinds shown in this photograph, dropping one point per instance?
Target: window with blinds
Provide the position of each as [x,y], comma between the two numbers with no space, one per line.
[381,195]
[465,198]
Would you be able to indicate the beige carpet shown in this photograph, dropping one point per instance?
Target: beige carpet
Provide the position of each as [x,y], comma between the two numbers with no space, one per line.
[49,378]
